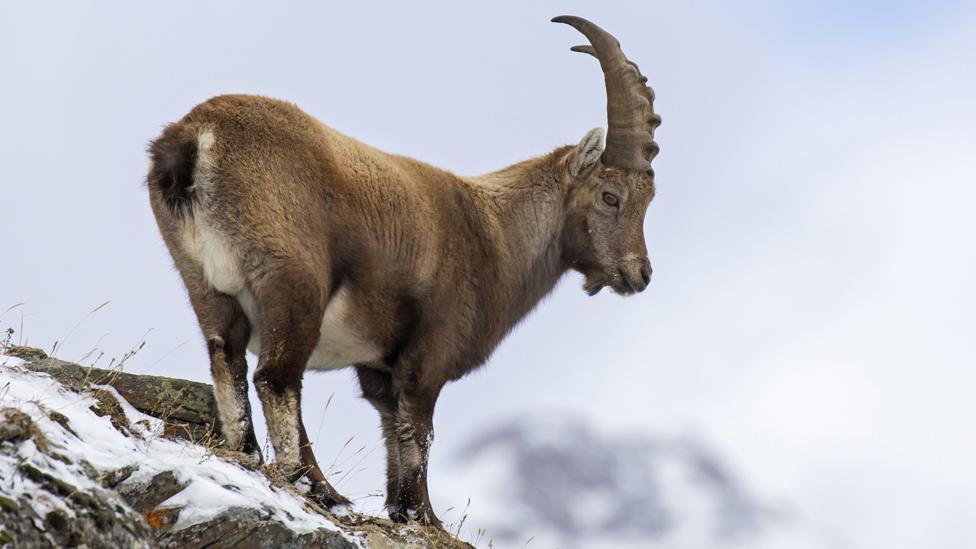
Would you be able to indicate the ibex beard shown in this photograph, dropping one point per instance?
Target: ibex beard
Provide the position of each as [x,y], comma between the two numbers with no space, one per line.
[316,251]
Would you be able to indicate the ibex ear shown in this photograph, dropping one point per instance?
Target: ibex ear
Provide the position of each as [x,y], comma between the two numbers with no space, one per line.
[587,152]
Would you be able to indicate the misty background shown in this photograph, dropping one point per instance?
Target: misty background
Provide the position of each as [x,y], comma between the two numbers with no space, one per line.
[811,313]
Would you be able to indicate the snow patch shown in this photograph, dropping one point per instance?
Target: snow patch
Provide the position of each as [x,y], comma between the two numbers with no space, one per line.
[10,361]
[213,485]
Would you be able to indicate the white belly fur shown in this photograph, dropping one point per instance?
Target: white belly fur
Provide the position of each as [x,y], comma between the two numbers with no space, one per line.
[339,344]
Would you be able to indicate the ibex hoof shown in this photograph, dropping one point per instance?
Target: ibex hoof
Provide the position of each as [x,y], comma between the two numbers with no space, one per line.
[325,495]
[396,515]
[254,452]
[424,516]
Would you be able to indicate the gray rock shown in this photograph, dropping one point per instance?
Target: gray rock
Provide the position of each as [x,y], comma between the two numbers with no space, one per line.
[123,513]
[241,528]
[100,518]
[146,496]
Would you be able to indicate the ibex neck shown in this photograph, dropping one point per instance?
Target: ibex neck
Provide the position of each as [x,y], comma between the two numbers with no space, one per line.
[526,203]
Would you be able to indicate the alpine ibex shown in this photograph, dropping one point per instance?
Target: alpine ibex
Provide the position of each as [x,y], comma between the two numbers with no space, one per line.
[314,250]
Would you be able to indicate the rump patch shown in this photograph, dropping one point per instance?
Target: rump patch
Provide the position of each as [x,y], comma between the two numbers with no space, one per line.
[200,237]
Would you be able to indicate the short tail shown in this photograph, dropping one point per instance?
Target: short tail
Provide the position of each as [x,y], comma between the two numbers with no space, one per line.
[174,157]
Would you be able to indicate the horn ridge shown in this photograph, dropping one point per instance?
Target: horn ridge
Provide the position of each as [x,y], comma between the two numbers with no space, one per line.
[631,119]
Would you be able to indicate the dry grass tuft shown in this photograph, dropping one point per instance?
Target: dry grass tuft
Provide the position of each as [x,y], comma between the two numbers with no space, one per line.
[107,405]
[17,426]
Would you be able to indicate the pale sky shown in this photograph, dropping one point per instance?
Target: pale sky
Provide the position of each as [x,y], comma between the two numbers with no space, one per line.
[812,236]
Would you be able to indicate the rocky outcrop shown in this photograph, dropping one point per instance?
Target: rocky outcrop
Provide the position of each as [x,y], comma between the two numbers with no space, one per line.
[62,514]
[186,407]
[102,458]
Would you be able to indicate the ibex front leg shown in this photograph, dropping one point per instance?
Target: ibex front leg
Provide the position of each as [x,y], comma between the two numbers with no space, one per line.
[290,310]
[414,431]
[377,388]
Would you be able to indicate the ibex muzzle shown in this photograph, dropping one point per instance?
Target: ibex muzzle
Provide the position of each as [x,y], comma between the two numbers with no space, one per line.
[316,251]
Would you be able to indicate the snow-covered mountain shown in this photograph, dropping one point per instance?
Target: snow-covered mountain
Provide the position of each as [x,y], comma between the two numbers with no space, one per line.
[559,483]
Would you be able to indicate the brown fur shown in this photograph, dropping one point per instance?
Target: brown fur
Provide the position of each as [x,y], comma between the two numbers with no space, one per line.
[435,268]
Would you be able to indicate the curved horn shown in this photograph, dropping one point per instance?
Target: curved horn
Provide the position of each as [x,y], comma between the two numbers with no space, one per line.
[631,119]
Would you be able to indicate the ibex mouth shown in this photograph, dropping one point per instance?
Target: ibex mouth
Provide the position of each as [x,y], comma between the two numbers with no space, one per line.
[622,285]
[593,287]
[622,288]
[595,283]
[617,282]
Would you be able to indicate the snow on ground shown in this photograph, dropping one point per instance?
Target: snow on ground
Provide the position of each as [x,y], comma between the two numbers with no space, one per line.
[212,484]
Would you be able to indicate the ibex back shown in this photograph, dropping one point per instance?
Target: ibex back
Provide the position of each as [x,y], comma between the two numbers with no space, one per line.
[314,250]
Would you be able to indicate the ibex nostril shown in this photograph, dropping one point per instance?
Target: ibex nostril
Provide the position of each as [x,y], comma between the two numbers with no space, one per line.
[645,272]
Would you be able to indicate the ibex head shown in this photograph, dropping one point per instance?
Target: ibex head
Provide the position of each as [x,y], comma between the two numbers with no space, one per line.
[611,182]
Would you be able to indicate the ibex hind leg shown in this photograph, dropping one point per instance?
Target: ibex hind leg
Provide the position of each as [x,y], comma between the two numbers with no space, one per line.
[290,311]
[226,330]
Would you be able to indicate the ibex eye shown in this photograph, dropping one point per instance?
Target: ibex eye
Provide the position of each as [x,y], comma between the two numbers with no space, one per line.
[611,199]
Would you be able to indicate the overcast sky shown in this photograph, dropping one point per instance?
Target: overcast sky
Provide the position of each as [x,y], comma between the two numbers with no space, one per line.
[811,313]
